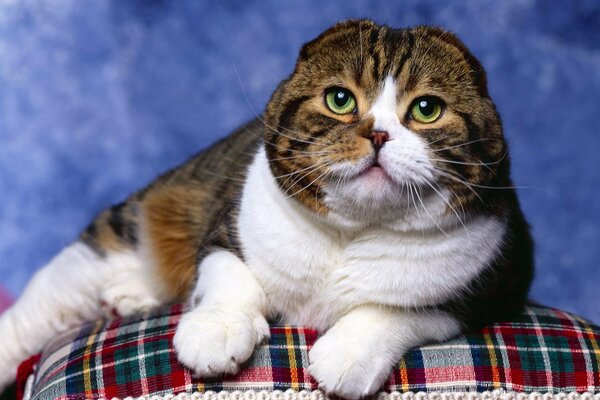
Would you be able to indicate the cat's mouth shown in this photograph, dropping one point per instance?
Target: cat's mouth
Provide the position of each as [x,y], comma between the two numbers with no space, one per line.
[374,171]
[378,172]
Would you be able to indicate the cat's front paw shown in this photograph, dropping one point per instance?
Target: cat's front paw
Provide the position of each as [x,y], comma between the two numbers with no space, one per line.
[212,341]
[128,297]
[344,368]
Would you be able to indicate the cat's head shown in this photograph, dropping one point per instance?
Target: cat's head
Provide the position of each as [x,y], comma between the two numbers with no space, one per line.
[378,123]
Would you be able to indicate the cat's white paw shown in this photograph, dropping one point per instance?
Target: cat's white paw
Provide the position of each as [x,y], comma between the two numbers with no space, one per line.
[212,341]
[343,367]
[128,298]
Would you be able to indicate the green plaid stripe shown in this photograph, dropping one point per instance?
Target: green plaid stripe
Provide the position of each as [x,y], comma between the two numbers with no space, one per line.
[544,350]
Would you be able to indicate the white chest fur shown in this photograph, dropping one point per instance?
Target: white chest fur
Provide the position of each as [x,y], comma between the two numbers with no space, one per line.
[312,271]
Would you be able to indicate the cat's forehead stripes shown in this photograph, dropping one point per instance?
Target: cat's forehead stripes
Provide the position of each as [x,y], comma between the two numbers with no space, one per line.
[390,49]
[367,53]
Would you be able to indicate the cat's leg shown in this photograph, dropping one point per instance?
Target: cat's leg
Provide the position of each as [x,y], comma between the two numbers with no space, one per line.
[227,319]
[78,285]
[354,358]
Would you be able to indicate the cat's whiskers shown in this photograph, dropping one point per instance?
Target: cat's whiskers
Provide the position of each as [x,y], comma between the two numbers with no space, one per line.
[407,202]
[315,153]
[479,164]
[453,194]
[439,140]
[235,160]
[492,187]
[277,129]
[310,167]
[302,155]
[258,115]
[450,175]
[449,206]
[463,144]
[295,139]
[316,167]
[412,196]
[340,179]
[294,178]
[309,185]
[429,215]
[262,138]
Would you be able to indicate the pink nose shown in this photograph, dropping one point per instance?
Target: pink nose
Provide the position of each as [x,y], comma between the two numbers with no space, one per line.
[379,138]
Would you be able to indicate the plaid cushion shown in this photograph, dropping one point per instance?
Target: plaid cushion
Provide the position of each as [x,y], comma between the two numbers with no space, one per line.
[544,350]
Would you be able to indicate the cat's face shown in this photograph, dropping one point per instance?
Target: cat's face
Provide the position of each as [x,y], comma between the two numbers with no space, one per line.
[374,121]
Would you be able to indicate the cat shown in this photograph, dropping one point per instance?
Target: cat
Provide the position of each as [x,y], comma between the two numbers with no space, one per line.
[372,201]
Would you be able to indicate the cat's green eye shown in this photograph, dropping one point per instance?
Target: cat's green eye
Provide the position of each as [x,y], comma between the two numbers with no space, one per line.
[340,101]
[426,109]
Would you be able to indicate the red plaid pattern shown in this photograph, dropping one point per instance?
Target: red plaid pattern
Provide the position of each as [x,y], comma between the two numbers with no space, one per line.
[544,350]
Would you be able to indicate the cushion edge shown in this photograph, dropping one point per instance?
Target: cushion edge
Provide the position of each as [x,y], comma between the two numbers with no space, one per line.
[291,394]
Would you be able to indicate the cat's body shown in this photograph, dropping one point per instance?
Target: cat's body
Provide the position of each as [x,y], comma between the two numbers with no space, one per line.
[377,224]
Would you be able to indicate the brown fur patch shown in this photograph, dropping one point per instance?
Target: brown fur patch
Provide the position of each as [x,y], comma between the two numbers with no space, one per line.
[173,222]
[180,211]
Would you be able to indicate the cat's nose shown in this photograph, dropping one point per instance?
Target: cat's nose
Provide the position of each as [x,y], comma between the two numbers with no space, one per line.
[379,138]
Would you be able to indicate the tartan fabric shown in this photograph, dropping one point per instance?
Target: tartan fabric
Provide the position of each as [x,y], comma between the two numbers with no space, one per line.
[544,350]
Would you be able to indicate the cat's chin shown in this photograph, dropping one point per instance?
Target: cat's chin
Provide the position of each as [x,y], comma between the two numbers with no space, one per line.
[379,183]
[379,194]
[354,205]
[369,196]
[373,185]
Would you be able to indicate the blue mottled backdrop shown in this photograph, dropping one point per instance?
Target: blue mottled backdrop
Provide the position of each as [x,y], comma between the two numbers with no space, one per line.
[98,97]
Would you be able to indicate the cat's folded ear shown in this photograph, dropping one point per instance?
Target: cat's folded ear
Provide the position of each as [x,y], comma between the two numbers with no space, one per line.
[440,34]
[339,30]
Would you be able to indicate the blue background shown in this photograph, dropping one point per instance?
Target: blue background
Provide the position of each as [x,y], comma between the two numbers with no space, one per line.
[98,97]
